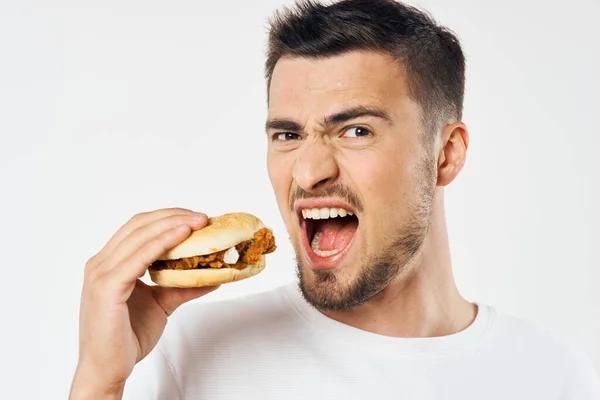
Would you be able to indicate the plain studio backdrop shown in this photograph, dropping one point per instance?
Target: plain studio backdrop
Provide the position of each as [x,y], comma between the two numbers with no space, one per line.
[108,109]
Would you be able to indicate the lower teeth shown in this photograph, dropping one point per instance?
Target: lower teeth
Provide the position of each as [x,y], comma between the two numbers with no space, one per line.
[315,247]
[325,253]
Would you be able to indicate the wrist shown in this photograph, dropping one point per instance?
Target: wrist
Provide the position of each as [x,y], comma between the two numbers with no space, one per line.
[88,385]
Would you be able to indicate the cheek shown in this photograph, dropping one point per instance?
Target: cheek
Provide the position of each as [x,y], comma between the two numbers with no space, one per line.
[271,168]
[385,182]
[279,167]
[379,177]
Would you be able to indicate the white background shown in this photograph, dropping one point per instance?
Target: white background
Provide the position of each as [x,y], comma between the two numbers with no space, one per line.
[111,109]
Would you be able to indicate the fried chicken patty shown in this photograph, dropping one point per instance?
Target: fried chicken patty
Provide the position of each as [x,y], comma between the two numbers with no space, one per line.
[249,251]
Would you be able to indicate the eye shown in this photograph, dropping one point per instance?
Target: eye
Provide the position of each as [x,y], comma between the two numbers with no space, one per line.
[357,131]
[285,136]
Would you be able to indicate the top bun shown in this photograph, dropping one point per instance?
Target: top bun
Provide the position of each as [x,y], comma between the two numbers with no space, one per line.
[221,233]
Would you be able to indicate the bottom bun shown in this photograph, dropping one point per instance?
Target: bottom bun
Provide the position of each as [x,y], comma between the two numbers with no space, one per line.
[204,276]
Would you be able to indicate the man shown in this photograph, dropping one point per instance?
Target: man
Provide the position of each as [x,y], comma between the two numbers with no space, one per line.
[365,102]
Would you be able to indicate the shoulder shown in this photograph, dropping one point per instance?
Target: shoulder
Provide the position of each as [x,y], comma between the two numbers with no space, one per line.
[211,321]
[531,348]
[203,337]
[207,337]
[528,338]
[248,307]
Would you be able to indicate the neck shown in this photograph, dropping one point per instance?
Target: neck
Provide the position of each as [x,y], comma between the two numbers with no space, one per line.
[424,301]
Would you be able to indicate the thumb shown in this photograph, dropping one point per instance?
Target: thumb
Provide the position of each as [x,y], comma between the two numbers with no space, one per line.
[171,298]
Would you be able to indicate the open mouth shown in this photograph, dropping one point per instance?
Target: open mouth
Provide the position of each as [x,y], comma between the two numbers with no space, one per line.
[328,234]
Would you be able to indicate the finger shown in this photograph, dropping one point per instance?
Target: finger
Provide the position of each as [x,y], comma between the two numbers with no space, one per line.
[136,264]
[137,221]
[171,298]
[134,223]
[142,235]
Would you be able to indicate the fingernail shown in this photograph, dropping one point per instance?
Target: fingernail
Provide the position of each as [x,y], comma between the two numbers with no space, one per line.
[198,216]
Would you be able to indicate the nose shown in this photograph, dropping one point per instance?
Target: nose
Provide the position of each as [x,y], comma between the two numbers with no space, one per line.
[315,166]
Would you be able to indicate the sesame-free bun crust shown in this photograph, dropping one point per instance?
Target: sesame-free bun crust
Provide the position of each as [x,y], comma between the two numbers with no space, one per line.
[221,233]
[204,276]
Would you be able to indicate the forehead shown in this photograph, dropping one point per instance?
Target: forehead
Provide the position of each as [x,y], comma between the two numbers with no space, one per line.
[358,77]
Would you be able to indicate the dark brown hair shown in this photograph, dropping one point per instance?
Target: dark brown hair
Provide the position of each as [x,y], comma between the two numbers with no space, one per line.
[430,54]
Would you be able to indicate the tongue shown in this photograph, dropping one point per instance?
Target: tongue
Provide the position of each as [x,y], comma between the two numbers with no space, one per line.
[335,234]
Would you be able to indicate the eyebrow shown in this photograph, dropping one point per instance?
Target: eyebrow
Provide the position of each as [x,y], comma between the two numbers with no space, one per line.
[330,120]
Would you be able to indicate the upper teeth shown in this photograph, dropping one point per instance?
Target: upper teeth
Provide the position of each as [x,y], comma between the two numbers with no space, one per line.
[324,213]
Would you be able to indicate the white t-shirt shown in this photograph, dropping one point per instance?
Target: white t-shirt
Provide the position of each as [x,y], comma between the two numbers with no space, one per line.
[274,345]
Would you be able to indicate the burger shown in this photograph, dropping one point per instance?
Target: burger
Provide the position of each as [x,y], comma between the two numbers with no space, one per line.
[230,248]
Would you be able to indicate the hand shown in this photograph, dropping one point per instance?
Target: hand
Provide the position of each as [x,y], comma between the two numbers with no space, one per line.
[121,318]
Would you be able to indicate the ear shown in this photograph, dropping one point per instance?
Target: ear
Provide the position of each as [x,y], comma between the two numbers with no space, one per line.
[453,153]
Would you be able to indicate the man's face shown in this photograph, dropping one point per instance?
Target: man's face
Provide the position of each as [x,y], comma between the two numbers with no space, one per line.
[344,134]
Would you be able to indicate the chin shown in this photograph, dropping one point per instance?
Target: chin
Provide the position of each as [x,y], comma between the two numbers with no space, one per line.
[355,283]
[333,289]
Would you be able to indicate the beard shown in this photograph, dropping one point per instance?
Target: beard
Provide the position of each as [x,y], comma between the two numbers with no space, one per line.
[326,292]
